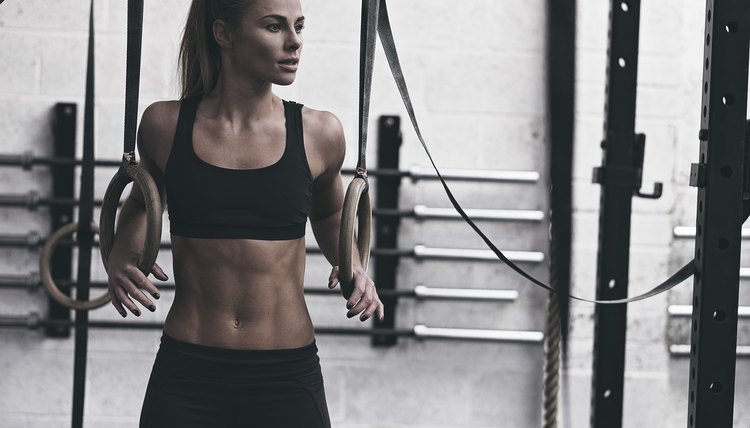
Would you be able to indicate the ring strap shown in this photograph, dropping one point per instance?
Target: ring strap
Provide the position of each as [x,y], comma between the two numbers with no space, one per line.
[389,46]
[132,78]
[366,62]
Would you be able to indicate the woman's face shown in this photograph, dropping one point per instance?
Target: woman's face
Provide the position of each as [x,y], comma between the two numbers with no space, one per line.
[268,43]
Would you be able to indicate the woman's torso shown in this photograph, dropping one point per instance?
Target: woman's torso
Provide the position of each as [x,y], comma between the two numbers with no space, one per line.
[232,290]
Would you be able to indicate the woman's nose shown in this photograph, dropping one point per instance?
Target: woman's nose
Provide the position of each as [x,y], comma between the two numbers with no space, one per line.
[294,41]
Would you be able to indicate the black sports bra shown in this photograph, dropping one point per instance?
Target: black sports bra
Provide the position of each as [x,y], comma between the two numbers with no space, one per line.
[208,201]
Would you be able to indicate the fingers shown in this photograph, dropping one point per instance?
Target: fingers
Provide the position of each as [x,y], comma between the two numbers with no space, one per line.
[333,278]
[375,307]
[116,302]
[159,274]
[139,282]
[122,298]
[364,299]
[126,286]
[380,309]
[360,287]
[356,302]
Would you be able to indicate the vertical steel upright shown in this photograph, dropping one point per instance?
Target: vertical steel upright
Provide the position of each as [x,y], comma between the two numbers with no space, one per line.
[386,227]
[719,178]
[63,186]
[619,179]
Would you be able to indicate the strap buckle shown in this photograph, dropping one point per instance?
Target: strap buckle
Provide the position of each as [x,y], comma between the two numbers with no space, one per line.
[362,173]
[128,158]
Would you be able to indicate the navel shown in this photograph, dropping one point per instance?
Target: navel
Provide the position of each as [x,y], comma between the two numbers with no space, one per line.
[237,323]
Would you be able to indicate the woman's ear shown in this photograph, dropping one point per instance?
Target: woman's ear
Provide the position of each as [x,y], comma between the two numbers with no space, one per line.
[222,34]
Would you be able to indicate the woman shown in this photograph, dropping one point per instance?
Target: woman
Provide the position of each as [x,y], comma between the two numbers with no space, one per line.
[241,171]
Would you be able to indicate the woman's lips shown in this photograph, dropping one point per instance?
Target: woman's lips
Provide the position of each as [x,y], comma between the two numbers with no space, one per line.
[289,65]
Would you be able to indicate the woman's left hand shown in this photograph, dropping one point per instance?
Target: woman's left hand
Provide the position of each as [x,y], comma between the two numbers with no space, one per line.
[364,299]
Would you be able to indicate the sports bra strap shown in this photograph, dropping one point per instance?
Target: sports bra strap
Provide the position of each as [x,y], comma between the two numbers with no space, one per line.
[188,110]
[294,125]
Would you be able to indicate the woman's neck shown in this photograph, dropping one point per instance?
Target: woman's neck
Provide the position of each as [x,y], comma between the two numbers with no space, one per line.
[241,102]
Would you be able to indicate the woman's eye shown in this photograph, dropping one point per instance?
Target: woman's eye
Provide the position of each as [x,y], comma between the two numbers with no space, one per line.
[274,27]
[299,28]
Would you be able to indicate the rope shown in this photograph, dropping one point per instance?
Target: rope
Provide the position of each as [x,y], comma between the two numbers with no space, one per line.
[561,15]
[551,362]
[552,336]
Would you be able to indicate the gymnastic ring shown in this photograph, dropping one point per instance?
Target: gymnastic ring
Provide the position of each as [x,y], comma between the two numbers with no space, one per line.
[46,273]
[152,202]
[356,207]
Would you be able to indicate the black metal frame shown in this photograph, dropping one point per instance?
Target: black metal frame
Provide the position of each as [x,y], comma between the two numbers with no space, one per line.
[720,177]
[620,178]
[63,186]
[386,228]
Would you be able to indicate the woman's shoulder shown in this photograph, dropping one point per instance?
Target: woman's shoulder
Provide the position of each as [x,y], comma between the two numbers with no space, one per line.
[160,115]
[324,140]
[324,128]
[157,129]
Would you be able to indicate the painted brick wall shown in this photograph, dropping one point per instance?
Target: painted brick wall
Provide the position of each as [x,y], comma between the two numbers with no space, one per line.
[476,73]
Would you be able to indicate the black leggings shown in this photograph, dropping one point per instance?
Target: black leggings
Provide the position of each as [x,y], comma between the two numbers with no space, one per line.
[194,385]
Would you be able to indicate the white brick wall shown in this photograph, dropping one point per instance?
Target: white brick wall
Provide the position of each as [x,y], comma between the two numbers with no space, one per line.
[476,74]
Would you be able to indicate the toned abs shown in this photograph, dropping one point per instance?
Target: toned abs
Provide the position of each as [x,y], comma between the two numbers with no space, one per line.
[239,293]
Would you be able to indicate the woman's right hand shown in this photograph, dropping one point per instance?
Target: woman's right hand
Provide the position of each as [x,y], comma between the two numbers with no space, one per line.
[127,283]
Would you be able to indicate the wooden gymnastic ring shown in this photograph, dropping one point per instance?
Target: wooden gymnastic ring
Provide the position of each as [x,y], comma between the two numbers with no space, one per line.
[46,273]
[152,202]
[356,207]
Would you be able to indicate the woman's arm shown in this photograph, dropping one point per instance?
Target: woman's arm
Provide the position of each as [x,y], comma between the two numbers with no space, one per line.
[325,214]
[126,281]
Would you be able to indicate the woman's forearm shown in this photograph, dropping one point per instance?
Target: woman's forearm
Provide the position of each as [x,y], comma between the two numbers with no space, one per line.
[326,231]
[130,233]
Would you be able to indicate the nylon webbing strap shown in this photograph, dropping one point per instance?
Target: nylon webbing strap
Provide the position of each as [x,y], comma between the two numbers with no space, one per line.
[366,61]
[132,77]
[389,46]
[85,237]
